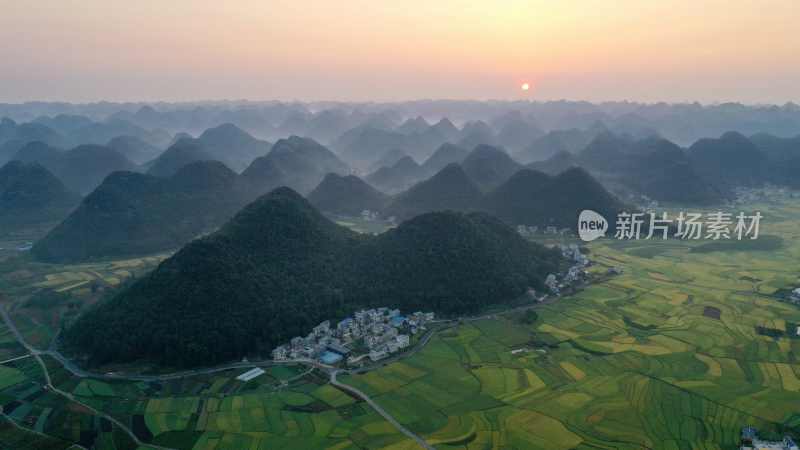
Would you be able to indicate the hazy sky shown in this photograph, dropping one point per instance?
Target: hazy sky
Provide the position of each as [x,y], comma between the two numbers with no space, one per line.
[648,50]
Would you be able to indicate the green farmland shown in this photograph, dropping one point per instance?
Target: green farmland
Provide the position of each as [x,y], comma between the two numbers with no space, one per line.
[682,350]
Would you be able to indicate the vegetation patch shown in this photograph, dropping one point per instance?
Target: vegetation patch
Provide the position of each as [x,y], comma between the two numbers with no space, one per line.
[764,243]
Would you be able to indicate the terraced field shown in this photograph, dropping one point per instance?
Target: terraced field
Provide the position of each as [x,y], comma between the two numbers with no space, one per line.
[683,349]
[71,288]
[288,407]
[666,355]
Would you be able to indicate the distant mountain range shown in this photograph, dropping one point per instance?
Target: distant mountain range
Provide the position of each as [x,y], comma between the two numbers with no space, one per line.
[14,136]
[397,177]
[81,169]
[178,155]
[99,133]
[233,146]
[226,143]
[487,179]
[622,155]
[783,155]
[299,163]
[443,156]
[346,195]
[515,132]
[67,131]
[364,147]
[731,160]
[554,142]
[449,189]
[31,196]
[484,179]
[388,159]
[534,198]
[281,268]
[133,214]
[183,195]
[372,137]
[134,148]
[703,174]
[489,166]
[555,164]
[682,123]
[476,133]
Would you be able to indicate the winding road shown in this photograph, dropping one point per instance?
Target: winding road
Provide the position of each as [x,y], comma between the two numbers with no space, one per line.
[49,385]
[346,387]
[80,373]
[332,372]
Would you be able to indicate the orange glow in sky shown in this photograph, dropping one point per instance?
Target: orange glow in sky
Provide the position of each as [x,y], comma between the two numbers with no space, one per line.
[672,50]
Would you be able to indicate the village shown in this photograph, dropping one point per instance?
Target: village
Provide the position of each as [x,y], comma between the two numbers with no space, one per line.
[576,275]
[750,440]
[370,335]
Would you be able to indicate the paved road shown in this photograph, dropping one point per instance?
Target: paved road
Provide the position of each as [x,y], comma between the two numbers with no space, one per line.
[27,355]
[80,373]
[75,370]
[49,385]
[421,442]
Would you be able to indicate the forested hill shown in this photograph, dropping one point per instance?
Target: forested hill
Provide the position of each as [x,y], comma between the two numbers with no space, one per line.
[134,214]
[279,267]
[346,195]
[32,196]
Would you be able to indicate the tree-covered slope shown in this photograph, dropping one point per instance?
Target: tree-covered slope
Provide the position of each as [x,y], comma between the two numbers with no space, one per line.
[446,154]
[82,168]
[31,196]
[489,166]
[232,145]
[178,155]
[279,267]
[534,198]
[731,160]
[300,163]
[397,177]
[134,148]
[449,189]
[133,214]
[348,195]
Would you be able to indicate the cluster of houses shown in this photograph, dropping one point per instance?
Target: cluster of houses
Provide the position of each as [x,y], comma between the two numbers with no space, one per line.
[647,204]
[751,441]
[794,296]
[374,216]
[530,231]
[370,333]
[748,195]
[370,216]
[576,273]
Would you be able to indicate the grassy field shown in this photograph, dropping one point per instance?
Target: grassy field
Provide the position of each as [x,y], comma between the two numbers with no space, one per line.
[361,225]
[290,407]
[634,362]
[69,290]
[672,354]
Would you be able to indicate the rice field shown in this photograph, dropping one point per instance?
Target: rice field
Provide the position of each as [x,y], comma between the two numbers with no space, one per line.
[667,355]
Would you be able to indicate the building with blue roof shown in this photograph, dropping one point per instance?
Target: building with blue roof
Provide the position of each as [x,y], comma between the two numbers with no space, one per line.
[398,321]
[330,358]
